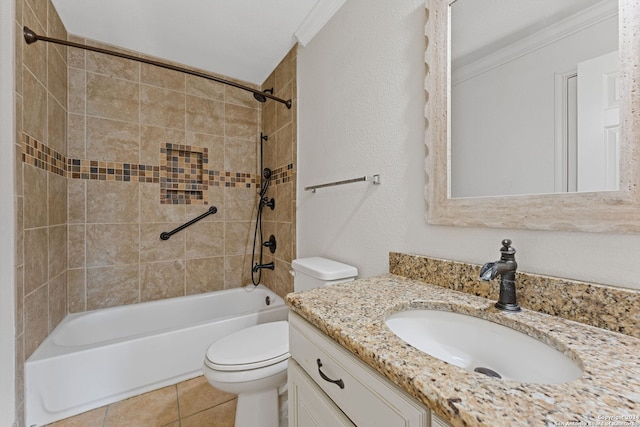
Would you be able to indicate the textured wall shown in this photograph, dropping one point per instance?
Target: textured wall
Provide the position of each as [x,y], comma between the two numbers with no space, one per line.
[361,103]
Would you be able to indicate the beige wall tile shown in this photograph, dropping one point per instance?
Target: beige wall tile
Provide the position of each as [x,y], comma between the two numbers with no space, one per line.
[215,196]
[152,211]
[57,126]
[285,237]
[76,90]
[112,66]
[39,10]
[35,198]
[285,146]
[241,204]
[152,138]
[19,289]
[76,136]
[112,244]
[34,107]
[204,239]
[76,201]
[161,107]
[112,202]
[204,88]
[241,122]
[157,408]
[35,55]
[238,237]
[205,115]
[57,300]
[240,156]
[19,57]
[161,77]
[112,286]
[76,290]
[36,319]
[76,250]
[162,280]
[112,98]
[204,275]
[76,57]
[237,96]
[112,140]
[285,195]
[57,75]
[214,145]
[57,199]
[237,271]
[19,231]
[197,394]
[57,250]
[36,262]
[284,115]
[55,26]
[153,249]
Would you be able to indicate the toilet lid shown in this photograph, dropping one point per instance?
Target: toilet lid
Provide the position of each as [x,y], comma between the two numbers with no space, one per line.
[251,348]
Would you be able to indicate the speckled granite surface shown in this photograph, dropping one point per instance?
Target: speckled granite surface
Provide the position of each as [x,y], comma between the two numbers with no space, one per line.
[607,307]
[353,315]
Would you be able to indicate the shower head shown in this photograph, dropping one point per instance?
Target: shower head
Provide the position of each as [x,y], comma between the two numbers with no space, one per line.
[266,173]
[260,97]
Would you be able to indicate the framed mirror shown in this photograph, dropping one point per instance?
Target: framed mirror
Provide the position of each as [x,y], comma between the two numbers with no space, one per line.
[612,206]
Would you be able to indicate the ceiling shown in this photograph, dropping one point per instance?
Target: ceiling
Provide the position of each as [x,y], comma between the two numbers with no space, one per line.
[242,39]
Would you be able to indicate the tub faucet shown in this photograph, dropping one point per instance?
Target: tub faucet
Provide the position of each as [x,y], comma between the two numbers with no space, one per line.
[506,268]
[268,265]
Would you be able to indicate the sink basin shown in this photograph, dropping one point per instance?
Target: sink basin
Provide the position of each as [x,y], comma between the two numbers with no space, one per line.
[482,346]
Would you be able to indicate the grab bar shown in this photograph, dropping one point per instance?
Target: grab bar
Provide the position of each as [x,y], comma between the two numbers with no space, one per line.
[166,234]
[375,179]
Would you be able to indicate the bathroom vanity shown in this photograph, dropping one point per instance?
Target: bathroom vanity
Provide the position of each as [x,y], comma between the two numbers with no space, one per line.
[347,366]
[330,386]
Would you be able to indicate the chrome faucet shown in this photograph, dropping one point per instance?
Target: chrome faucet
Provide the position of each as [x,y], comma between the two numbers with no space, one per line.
[506,268]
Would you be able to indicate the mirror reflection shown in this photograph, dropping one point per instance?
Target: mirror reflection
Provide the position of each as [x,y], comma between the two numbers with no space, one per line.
[534,97]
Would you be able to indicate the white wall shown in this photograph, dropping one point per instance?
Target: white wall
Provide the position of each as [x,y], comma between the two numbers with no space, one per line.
[361,103]
[7,286]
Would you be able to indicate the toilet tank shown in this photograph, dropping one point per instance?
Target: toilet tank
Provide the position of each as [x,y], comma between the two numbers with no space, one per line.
[309,273]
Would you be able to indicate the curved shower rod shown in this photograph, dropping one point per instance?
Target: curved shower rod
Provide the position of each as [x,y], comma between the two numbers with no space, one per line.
[261,96]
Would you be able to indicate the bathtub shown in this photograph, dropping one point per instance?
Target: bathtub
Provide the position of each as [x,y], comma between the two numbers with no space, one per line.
[99,357]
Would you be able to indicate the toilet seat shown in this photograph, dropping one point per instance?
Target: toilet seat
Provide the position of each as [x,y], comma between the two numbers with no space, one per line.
[255,347]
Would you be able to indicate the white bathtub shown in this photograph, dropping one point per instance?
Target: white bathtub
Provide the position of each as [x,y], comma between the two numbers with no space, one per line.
[99,357]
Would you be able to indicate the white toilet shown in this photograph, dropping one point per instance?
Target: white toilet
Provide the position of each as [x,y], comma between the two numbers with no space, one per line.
[252,362]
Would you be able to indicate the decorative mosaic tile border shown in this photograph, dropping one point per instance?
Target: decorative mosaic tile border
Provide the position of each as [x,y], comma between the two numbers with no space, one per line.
[282,174]
[37,154]
[602,306]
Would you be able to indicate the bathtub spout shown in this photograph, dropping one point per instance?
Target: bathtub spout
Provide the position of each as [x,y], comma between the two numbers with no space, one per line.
[268,265]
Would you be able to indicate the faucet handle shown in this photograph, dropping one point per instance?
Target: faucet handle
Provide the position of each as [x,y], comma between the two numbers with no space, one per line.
[506,247]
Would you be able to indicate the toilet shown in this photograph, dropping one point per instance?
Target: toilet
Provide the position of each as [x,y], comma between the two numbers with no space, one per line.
[252,362]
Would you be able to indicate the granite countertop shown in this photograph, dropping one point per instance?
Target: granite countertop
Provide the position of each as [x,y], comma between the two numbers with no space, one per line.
[353,315]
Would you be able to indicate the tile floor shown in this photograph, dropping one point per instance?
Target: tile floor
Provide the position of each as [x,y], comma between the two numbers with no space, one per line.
[192,403]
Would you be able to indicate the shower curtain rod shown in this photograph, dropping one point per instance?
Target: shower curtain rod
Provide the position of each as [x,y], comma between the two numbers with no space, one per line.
[261,96]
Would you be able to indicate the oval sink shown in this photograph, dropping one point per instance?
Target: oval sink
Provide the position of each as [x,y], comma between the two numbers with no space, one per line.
[482,346]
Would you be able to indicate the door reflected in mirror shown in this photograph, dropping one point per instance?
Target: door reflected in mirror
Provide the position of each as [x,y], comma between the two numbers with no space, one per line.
[534,97]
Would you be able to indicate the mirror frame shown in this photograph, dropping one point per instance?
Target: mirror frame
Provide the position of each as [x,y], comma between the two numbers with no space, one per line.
[612,211]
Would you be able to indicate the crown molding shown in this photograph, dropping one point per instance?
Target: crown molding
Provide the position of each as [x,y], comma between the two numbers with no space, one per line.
[317,18]
[571,25]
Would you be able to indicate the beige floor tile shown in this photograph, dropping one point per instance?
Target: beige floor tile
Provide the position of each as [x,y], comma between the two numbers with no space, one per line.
[197,394]
[156,408]
[223,415]
[93,418]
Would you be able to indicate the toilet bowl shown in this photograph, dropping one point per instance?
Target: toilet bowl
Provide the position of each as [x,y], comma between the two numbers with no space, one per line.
[252,362]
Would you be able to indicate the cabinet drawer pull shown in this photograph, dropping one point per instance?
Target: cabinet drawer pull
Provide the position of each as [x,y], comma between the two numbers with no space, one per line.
[339,383]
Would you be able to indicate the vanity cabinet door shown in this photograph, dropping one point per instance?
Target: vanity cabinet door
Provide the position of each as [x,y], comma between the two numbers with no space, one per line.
[436,421]
[308,405]
[367,398]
